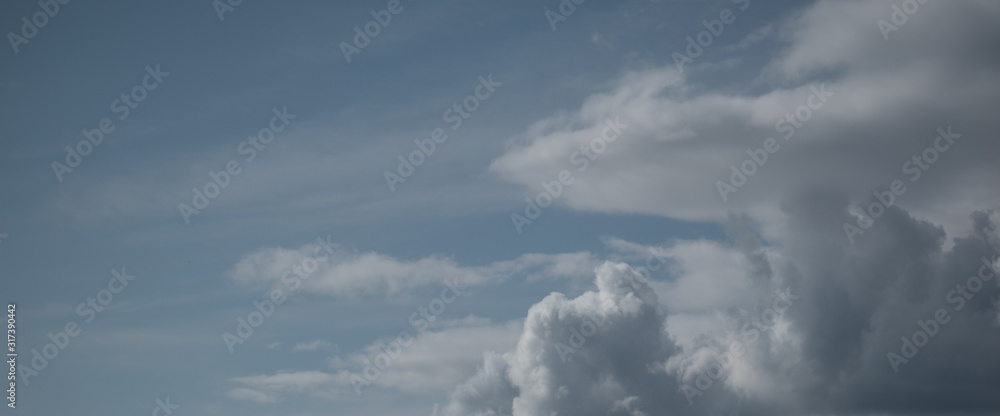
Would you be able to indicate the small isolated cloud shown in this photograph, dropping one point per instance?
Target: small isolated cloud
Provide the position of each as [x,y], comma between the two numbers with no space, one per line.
[313,346]
[602,42]
[277,387]
[251,395]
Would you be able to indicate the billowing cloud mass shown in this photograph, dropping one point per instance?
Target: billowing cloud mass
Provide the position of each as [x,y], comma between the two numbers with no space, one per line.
[829,328]
[594,354]
[823,302]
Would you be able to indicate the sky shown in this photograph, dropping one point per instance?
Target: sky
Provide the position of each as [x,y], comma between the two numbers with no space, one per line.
[472,208]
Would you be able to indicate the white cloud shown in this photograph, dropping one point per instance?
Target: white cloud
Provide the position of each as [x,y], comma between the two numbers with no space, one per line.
[434,362]
[298,381]
[251,395]
[438,360]
[890,97]
[313,346]
[351,273]
[593,354]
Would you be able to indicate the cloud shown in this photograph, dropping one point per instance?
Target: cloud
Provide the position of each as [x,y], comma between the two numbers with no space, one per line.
[889,99]
[278,387]
[827,350]
[250,395]
[438,360]
[286,381]
[313,346]
[593,354]
[348,273]
[636,346]
[434,362]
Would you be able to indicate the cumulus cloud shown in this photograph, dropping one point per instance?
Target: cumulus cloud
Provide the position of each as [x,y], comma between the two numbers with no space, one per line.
[842,347]
[594,354]
[817,321]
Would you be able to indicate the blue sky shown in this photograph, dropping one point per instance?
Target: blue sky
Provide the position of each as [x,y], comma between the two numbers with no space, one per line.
[652,195]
